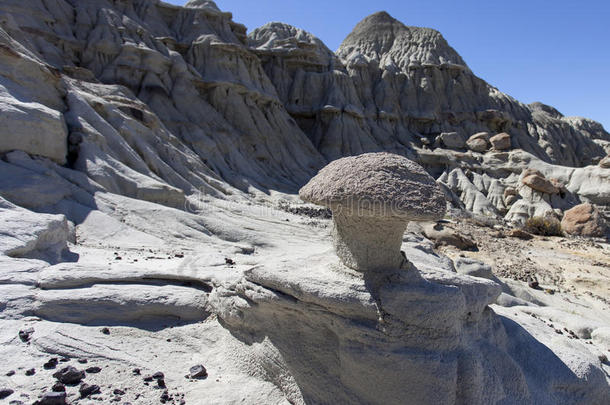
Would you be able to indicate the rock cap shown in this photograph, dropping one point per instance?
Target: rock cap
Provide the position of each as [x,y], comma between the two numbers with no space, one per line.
[377,184]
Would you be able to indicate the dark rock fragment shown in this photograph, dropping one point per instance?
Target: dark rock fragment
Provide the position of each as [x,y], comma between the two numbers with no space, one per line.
[87,390]
[26,334]
[52,398]
[5,392]
[69,375]
[198,371]
[52,363]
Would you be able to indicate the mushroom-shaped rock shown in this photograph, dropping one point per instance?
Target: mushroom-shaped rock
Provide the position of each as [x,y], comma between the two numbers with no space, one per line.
[373,196]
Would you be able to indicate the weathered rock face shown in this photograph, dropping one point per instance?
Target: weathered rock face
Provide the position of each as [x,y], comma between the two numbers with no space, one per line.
[134,81]
[397,86]
[583,220]
[415,337]
[154,107]
[159,102]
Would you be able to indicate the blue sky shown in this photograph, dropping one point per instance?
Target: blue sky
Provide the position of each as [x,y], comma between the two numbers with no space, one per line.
[556,52]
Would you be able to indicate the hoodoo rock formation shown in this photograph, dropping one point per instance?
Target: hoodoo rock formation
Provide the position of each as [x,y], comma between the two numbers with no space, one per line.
[150,159]
[372,197]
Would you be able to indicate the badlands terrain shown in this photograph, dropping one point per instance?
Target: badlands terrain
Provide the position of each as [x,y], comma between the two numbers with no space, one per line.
[154,247]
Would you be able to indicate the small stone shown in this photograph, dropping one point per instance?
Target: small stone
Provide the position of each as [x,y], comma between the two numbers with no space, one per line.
[10,373]
[58,387]
[5,392]
[30,372]
[118,392]
[64,360]
[52,363]
[93,370]
[148,378]
[52,398]
[161,383]
[69,375]
[520,234]
[229,262]
[198,371]
[158,375]
[105,331]
[87,390]
[533,283]
[26,334]
[83,361]
[118,258]
[136,371]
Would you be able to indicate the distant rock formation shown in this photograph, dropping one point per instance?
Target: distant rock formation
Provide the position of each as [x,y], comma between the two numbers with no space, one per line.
[159,102]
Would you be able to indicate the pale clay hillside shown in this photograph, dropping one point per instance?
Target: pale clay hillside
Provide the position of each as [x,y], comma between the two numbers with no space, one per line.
[155,248]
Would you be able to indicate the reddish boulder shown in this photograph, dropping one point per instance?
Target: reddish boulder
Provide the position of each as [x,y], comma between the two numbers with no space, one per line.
[500,141]
[536,180]
[583,220]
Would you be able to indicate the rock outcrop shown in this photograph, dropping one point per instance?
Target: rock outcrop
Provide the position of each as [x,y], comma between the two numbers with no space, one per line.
[159,102]
[428,336]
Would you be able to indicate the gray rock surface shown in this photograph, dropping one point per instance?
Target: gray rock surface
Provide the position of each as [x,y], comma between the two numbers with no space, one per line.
[269,299]
[278,104]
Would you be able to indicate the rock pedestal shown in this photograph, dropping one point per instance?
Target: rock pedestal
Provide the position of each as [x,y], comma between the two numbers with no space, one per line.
[325,334]
[348,337]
